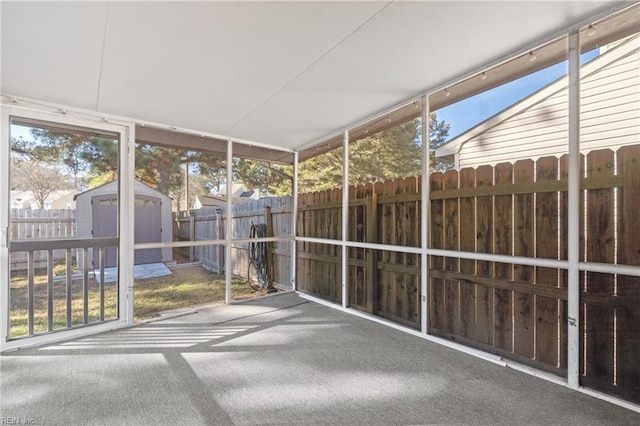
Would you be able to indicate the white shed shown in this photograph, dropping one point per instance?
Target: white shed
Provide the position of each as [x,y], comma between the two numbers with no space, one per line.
[97,212]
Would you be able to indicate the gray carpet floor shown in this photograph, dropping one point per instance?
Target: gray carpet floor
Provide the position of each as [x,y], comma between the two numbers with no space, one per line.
[278,360]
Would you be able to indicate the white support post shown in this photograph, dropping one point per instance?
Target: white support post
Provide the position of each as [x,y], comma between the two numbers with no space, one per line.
[4,226]
[345,218]
[127,221]
[424,198]
[294,222]
[573,257]
[228,297]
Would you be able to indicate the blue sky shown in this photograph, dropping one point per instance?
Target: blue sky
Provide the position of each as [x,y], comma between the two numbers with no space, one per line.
[469,112]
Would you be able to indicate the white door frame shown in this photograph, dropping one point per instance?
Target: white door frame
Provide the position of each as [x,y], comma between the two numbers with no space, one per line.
[58,116]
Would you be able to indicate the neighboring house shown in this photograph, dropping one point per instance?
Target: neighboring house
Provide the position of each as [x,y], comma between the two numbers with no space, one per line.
[537,126]
[239,195]
[62,199]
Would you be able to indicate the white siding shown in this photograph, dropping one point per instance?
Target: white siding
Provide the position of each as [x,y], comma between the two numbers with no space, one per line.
[610,117]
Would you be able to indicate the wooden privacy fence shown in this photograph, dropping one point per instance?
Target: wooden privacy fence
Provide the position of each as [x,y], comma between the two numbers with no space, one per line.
[384,283]
[513,310]
[520,311]
[209,223]
[27,224]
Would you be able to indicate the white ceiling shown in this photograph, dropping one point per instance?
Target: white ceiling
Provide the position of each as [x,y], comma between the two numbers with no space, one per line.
[285,74]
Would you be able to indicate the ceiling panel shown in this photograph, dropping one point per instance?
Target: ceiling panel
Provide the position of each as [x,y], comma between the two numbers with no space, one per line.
[404,50]
[280,73]
[214,62]
[52,51]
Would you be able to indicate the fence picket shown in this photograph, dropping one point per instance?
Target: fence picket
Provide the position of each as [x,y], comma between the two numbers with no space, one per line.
[484,244]
[524,304]
[628,289]
[436,288]
[503,231]
[599,318]
[467,266]
[452,287]
[547,310]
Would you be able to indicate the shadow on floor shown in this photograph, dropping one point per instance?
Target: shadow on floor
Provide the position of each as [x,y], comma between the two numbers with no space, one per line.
[278,360]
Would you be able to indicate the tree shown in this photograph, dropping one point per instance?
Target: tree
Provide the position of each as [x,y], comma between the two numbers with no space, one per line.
[212,167]
[390,154]
[438,135]
[100,156]
[93,161]
[263,176]
[40,178]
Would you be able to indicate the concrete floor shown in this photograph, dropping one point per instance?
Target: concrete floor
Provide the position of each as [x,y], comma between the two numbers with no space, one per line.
[278,360]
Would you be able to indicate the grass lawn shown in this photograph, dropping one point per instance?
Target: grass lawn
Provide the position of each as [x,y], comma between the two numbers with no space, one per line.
[184,287]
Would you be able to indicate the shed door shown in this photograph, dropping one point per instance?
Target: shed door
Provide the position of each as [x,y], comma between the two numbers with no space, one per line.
[148,228]
[105,224]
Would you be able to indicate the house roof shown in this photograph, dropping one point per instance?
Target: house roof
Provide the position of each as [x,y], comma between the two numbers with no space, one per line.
[107,186]
[28,197]
[610,56]
[284,74]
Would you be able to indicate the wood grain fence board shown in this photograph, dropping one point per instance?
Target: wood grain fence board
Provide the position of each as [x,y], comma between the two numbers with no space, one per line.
[511,285]
[336,195]
[413,213]
[359,229]
[547,313]
[629,206]
[628,289]
[599,320]
[523,245]
[451,242]
[37,223]
[403,303]
[503,231]
[402,225]
[628,337]
[382,291]
[528,188]
[467,266]
[410,229]
[484,244]
[389,285]
[400,215]
[436,235]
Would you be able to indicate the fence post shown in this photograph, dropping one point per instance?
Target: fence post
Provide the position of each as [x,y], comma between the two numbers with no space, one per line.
[269,233]
[192,234]
[372,235]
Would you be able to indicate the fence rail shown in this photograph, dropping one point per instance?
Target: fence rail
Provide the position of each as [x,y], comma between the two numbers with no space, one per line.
[209,223]
[517,311]
[92,286]
[29,224]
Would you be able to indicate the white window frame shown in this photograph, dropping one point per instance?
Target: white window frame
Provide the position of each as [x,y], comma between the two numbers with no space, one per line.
[55,116]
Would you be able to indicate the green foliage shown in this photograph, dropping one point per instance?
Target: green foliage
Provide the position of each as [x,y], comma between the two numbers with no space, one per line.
[90,161]
[268,179]
[82,159]
[390,154]
[438,135]
[211,168]
[160,168]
